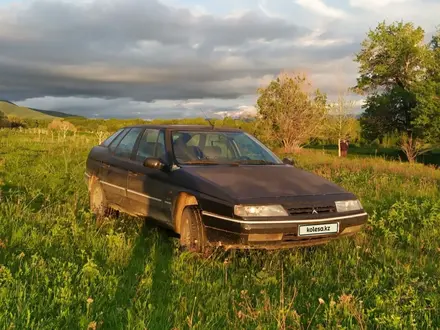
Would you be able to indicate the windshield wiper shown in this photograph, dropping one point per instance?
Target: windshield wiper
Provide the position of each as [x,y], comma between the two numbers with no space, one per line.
[207,162]
[235,163]
[256,162]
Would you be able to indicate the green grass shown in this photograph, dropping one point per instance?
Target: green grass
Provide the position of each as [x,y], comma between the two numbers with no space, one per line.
[394,154]
[58,271]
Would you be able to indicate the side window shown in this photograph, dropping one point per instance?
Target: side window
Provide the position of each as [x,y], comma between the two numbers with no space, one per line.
[152,144]
[176,136]
[125,148]
[194,141]
[109,140]
[147,144]
[160,150]
[118,139]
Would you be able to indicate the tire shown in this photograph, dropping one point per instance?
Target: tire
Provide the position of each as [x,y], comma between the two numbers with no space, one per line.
[98,202]
[192,230]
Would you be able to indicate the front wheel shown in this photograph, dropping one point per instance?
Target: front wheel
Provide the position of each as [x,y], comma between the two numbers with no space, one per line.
[192,232]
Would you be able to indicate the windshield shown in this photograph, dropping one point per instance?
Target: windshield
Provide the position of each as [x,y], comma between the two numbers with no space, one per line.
[214,147]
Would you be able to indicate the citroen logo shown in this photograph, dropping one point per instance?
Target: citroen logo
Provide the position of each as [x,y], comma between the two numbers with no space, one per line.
[314,211]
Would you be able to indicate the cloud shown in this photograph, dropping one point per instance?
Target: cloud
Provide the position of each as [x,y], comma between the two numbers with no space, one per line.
[263,6]
[143,50]
[98,107]
[317,38]
[169,58]
[375,4]
[242,111]
[319,7]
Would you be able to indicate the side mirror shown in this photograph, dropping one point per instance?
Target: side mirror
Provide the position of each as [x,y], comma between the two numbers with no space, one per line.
[289,161]
[155,163]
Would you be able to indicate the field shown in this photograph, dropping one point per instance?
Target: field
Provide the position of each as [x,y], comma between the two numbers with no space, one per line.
[431,157]
[58,271]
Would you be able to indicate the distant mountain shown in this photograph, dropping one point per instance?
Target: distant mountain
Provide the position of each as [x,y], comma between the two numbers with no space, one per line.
[11,109]
[55,113]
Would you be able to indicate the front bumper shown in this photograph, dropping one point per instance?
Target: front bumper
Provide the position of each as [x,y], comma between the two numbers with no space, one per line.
[275,234]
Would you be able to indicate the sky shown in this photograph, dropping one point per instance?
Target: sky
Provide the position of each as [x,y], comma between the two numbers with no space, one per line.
[182,58]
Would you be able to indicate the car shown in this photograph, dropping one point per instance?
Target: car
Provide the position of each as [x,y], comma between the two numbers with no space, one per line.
[217,186]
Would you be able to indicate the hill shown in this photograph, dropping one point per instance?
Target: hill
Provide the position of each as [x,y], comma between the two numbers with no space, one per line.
[55,113]
[11,109]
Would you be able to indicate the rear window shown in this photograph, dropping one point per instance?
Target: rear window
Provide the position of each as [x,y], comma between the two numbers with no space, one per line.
[111,138]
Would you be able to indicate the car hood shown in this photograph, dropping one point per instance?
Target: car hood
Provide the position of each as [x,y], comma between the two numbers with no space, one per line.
[248,182]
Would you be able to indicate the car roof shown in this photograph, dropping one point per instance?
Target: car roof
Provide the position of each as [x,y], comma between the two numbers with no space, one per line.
[187,127]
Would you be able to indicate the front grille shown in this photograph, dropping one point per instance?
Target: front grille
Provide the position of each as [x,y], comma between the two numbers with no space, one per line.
[310,210]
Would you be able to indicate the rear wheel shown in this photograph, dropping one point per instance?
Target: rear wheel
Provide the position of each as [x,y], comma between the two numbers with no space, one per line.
[98,202]
[192,230]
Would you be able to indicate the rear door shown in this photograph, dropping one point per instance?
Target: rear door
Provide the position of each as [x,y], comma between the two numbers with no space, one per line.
[115,169]
[98,155]
[146,187]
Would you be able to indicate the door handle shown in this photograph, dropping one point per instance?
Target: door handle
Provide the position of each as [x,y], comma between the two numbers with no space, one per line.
[105,165]
[130,173]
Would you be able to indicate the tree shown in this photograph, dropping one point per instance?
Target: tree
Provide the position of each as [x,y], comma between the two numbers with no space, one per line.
[393,64]
[392,55]
[3,120]
[427,111]
[63,126]
[340,121]
[412,147]
[386,112]
[101,132]
[15,122]
[288,112]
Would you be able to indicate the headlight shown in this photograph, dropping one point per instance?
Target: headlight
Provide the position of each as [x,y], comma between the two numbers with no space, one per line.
[347,206]
[259,211]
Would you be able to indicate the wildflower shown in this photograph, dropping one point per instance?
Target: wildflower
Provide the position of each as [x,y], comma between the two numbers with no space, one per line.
[345,299]
[89,301]
[91,326]
[243,293]
[2,245]
[321,301]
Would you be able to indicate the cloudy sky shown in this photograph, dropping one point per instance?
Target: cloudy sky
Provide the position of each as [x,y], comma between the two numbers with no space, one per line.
[181,58]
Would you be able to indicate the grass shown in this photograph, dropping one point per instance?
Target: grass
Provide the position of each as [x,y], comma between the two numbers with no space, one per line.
[391,153]
[57,271]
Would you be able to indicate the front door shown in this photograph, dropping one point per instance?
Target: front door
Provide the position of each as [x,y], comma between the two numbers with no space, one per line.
[146,187]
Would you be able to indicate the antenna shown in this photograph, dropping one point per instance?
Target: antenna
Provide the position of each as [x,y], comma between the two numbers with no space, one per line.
[207,119]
